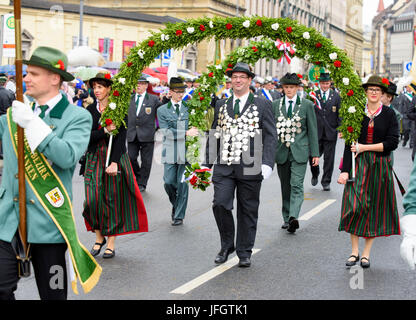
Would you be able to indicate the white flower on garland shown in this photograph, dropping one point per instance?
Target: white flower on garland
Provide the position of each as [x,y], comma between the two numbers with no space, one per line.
[333,56]
[164,37]
[346,81]
[190,30]
[140,53]
[122,80]
[306,35]
[275,26]
[112,106]
[307,57]
[218,67]
[246,24]
[351,109]
[211,24]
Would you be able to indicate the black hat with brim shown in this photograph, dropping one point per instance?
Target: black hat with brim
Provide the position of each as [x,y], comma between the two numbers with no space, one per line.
[177,83]
[52,60]
[143,79]
[241,67]
[392,89]
[290,78]
[324,76]
[375,81]
[101,76]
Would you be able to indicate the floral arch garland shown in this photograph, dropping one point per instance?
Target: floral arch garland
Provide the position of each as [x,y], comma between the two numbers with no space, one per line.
[309,45]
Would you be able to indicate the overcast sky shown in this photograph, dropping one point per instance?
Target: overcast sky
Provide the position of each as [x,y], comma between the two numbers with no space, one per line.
[370,8]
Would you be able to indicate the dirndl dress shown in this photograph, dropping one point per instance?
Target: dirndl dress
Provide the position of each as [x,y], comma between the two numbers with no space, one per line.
[369,207]
[113,204]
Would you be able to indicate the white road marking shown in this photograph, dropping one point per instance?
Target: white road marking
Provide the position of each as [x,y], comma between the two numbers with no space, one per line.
[316,210]
[187,287]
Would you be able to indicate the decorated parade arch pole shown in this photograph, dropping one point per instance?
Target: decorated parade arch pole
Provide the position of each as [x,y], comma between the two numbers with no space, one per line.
[24,256]
[308,43]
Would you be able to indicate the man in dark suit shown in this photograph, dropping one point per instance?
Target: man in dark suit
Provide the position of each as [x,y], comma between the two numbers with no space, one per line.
[141,131]
[328,120]
[268,91]
[244,158]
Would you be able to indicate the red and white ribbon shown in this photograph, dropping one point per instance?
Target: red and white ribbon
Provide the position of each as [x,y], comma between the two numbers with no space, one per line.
[312,94]
[287,48]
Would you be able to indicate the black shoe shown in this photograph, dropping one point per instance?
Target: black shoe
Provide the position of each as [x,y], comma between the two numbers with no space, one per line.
[293,225]
[109,255]
[222,256]
[365,264]
[173,214]
[314,181]
[285,225]
[96,252]
[351,263]
[177,222]
[326,188]
[244,263]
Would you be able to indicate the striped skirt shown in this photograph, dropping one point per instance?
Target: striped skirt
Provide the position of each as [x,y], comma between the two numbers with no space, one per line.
[113,204]
[369,207]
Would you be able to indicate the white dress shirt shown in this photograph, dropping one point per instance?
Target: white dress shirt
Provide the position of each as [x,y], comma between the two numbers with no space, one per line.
[140,101]
[293,104]
[243,100]
[51,104]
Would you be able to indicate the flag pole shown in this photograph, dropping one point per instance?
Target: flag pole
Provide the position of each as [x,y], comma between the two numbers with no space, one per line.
[24,256]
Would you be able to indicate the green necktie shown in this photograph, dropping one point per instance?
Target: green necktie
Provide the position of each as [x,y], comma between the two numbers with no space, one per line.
[289,111]
[137,101]
[177,109]
[43,108]
[237,108]
[324,98]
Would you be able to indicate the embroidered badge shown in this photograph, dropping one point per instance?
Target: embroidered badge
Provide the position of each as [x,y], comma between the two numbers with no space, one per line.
[334,109]
[148,110]
[55,197]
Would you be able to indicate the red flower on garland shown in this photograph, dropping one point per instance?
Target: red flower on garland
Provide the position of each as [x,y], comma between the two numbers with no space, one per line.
[193,180]
[254,49]
[108,122]
[230,65]
[202,27]
[350,93]
[337,64]
[129,64]
[201,98]
[317,63]
[179,32]
[318,45]
[116,93]
[211,74]
[229,26]
[107,76]
[300,76]
[289,29]
[259,23]
[385,81]
[151,43]
[61,64]
[350,129]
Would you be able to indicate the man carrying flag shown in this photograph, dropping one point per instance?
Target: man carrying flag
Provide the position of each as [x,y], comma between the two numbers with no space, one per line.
[56,136]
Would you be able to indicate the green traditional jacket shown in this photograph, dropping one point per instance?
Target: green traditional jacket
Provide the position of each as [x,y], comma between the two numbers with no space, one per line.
[306,142]
[63,147]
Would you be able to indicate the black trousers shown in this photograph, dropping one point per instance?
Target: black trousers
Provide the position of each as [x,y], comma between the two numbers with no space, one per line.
[145,151]
[327,148]
[48,261]
[248,194]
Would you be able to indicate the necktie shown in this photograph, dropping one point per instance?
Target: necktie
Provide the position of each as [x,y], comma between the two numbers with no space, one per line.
[177,108]
[43,108]
[324,98]
[237,108]
[289,111]
[138,101]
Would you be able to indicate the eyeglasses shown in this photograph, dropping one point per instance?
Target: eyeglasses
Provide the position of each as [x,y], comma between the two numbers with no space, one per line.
[239,77]
[374,90]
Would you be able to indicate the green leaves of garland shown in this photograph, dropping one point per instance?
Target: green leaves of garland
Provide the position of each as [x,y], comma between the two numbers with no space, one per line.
[310,45]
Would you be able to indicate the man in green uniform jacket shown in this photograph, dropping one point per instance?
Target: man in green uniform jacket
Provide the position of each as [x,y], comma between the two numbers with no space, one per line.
[297,140]
[173,120]
[60,131]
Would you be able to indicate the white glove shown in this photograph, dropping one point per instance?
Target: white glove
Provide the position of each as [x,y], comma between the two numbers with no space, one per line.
[266,171]
[408,245]
[35,129]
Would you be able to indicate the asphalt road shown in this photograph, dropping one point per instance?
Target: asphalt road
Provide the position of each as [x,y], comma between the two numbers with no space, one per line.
[309,264]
